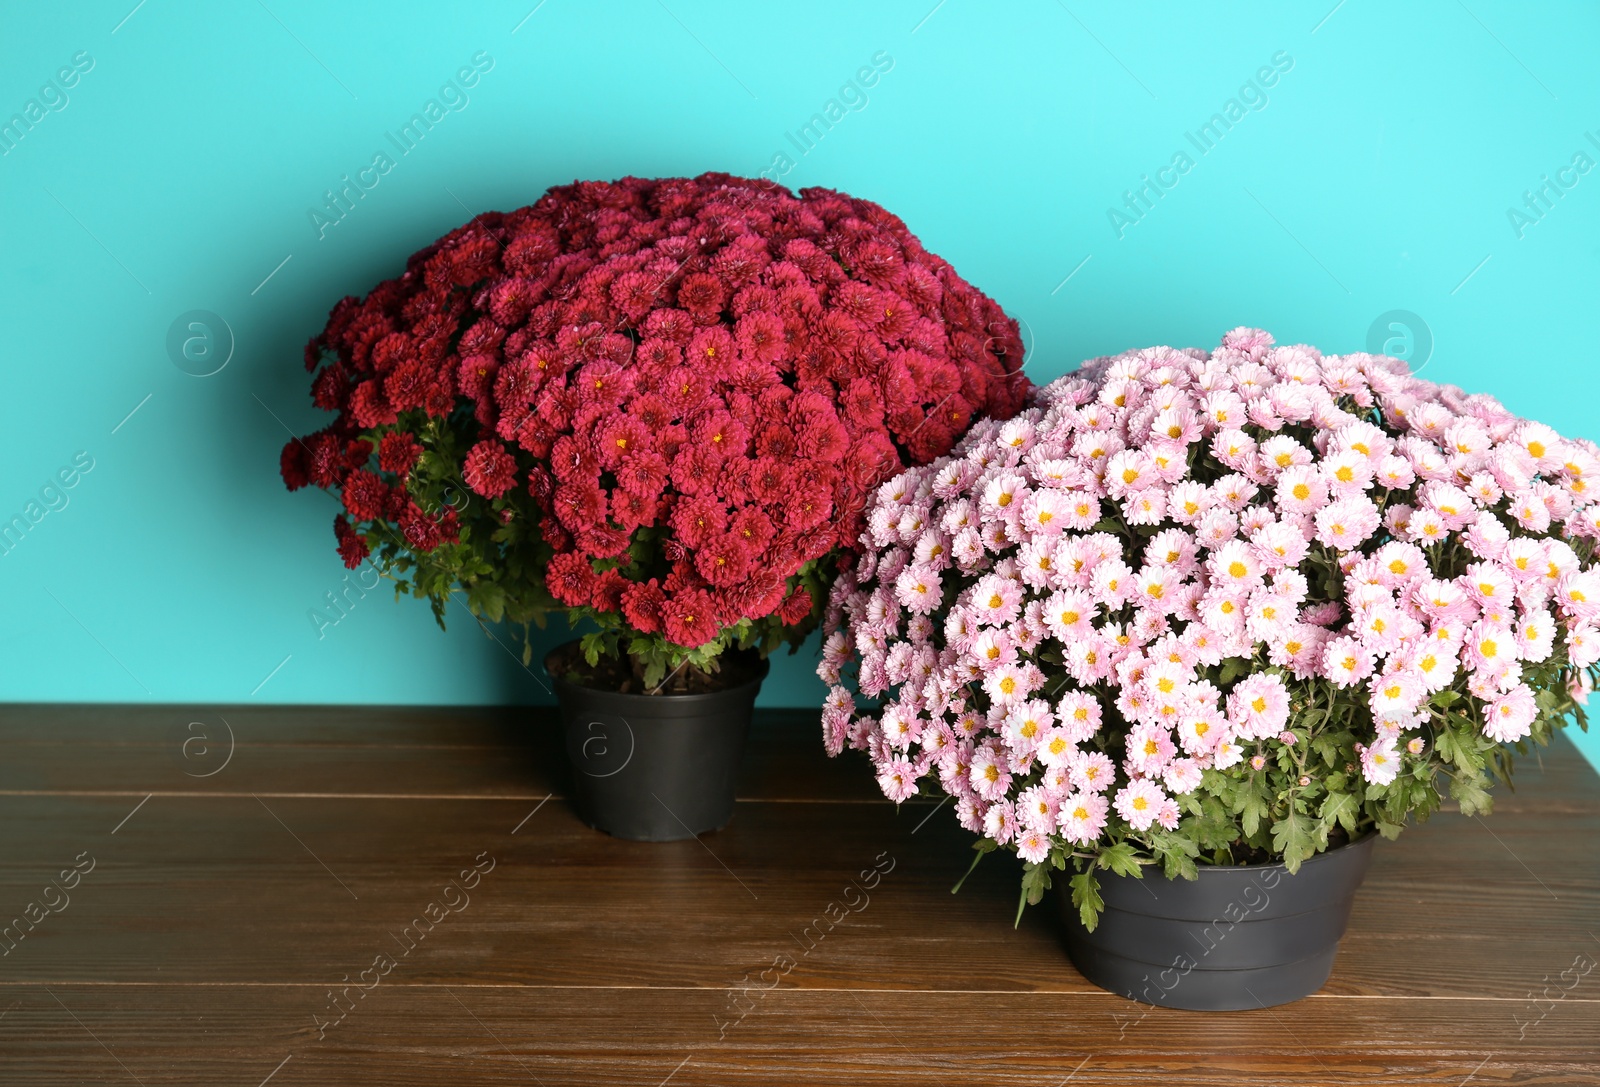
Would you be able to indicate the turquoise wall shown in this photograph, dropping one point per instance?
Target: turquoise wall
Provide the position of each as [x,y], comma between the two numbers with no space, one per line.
[159,221]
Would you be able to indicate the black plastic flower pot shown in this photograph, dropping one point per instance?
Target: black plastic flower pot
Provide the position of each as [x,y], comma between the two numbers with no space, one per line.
[655,768]
[1250,936]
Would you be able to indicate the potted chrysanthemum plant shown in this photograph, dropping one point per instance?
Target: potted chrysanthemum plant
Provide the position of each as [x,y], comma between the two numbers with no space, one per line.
[658,407]
[1195,627]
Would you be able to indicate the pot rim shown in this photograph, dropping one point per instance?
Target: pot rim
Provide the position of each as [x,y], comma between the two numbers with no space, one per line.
[763,667]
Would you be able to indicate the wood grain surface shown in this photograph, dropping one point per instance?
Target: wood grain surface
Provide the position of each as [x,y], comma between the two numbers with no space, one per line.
[258,911]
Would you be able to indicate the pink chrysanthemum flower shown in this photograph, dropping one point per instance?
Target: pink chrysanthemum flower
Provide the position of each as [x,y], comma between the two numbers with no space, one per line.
[898,780]
[1000,822]
[1258,706]
[1037,808]
[1082,816]
[1346,523]
[990,774]
[1139,802]
[1380,762]
[1033,846]
[918,589]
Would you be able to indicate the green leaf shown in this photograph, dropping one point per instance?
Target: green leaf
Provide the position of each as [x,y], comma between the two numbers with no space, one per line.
[1292,840]
[1177,852]
[1120,858]
[1035,882]
[1469,792]
[487,599]
[1086,897]
[982,846]
[1341,808]
[592,645]
[1250,804]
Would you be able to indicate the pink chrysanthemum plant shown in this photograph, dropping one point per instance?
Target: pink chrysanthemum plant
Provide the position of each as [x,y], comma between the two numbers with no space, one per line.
[1221,608]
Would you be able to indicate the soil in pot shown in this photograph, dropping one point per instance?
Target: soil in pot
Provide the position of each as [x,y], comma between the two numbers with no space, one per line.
[654,767]
[1238,937]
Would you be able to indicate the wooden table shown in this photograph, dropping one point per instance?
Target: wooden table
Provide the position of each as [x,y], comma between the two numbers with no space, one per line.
[239,892]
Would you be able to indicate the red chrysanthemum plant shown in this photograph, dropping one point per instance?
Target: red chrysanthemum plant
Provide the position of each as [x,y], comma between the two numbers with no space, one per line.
[659,405]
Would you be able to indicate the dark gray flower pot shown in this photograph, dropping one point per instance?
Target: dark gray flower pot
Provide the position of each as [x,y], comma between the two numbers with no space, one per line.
[655,768]
[1241,937]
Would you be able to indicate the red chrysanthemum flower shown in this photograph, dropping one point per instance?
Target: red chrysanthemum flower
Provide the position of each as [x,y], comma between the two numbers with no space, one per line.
[619,438]
[294,464]
[369,407]
[643,474]
[699,521]
[352,548]
[365,495]
[797,607]
[489,469]
[642,606]
[608,590]
[398,452]
[632,509]
[418,528]
[723,562]
[579,506]
[702,296]
[475,376]
[570,579]
[753,527]
[688,619]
